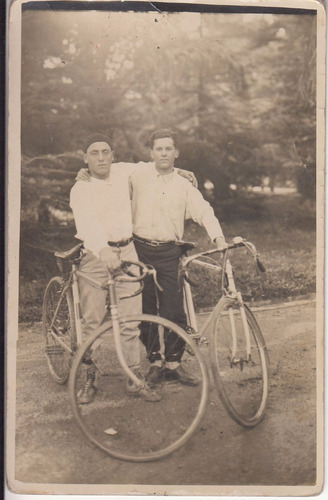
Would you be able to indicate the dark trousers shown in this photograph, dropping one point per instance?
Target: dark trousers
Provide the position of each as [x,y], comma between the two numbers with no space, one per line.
[165,259]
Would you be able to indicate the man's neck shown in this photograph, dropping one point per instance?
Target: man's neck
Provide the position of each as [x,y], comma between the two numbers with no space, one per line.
[100,178]
[164,171]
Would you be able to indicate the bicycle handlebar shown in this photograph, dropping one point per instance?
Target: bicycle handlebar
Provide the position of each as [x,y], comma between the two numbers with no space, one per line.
[129,276]
[145,270]
[237,242]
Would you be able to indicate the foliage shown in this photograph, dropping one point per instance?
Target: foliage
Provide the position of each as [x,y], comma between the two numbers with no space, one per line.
[239,88]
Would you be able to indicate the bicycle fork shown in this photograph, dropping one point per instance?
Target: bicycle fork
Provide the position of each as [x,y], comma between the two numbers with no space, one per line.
[232,289]
[191,316]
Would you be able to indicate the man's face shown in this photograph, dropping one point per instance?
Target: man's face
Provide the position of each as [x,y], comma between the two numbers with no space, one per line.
[99,157]
[163,154]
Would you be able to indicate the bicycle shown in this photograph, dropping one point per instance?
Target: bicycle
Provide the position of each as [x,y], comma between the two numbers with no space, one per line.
[238,354]
[61,318]
[114,423]
[125,427]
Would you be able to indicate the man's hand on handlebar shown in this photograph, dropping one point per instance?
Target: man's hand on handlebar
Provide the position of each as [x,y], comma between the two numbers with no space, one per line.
[220,243]
[112,260]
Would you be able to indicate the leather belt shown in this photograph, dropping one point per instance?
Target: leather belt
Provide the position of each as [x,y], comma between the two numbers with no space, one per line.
[152,243]
[121,243]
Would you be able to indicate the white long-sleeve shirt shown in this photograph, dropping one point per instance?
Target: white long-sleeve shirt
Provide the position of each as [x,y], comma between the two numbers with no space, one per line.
[102,208]
[161,204]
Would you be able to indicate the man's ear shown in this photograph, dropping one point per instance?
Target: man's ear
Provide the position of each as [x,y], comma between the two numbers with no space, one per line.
[177,152]
[85,158]
[151,155]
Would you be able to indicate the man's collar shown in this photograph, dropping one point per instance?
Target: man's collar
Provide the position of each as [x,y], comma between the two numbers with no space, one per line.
[163,176]
[106,181]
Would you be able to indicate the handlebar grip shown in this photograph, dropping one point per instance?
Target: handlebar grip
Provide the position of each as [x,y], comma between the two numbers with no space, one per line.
[260,265]
[237,244]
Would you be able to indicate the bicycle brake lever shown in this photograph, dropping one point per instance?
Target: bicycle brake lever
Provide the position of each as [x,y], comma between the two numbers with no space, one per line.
[260,265]
[153,273]
[125,269]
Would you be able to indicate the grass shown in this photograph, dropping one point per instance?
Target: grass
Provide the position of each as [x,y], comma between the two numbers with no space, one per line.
[282,227]
[283,230]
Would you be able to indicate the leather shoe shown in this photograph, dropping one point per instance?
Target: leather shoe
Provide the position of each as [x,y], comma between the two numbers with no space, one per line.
[181,376]
[144,392]
[87,393]
[155,375]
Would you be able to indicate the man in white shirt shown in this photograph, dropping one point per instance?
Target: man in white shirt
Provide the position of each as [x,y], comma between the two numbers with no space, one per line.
[102,216]
[161,202]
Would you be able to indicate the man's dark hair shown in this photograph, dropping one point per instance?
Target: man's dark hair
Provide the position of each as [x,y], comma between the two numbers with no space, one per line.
[97,137]
[163,133]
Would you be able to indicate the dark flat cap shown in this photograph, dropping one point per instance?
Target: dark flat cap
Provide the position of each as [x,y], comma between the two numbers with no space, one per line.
[90,139]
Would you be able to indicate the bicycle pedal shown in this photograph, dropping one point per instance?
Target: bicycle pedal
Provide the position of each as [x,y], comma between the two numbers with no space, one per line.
[193,334]
[54,350]
[62,331]
[189,350]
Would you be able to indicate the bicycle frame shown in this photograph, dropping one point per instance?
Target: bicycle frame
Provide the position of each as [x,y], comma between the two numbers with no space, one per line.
[114,320]
[231,292]
[191,315]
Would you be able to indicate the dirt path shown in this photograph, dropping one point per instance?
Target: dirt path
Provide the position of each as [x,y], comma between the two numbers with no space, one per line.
[280,451]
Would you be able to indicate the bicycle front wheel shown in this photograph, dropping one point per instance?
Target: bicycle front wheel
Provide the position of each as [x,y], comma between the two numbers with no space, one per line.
[124,424]
[239,362]
[58,327]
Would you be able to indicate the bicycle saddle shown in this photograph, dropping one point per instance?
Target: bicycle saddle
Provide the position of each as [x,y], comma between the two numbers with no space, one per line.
[186,245]
[71,254]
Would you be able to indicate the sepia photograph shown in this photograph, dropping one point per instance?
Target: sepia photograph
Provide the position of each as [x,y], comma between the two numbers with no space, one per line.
[165,248]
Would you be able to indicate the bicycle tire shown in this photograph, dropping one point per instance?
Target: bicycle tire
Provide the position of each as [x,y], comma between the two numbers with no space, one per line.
[242,387]
[130,428]
[58,357]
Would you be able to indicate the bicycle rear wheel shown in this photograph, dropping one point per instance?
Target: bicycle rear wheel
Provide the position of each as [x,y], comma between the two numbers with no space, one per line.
[58,327]
[242,384]
[127,427]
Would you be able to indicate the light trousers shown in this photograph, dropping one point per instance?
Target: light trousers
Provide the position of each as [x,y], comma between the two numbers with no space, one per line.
[94,300]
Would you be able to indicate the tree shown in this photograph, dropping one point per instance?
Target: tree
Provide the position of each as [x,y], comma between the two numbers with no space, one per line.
[240,88]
